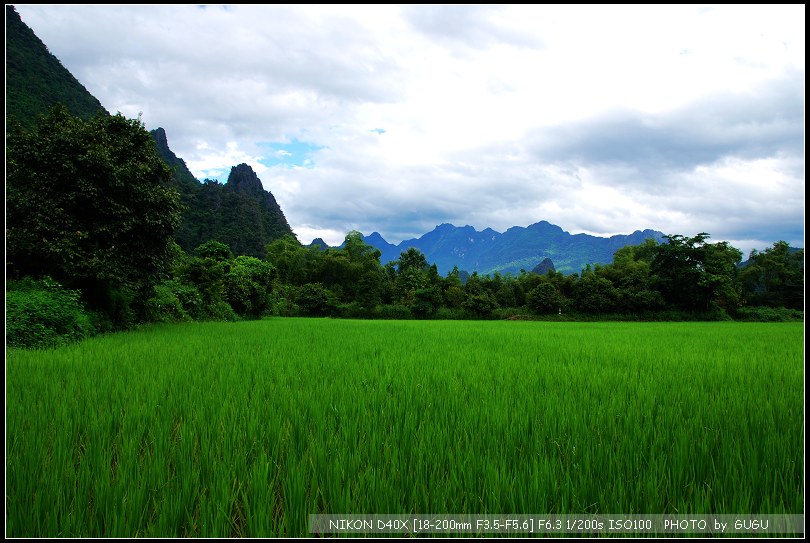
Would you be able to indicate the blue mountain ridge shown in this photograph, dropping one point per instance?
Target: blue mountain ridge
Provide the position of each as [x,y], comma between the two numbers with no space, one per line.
[518,248]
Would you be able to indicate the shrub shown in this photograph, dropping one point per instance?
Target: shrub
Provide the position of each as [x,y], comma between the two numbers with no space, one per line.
[281,299]
[544,299]
[221,311]
[166,305]
[392,311]
[452,313]
[768,314]
[42,314]
[314,299]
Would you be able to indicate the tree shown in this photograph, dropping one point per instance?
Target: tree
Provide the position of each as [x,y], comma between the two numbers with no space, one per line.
[594,294]
[477,299]
[207,275]
[410,275]
[775,277]
[426,301]
[215,250]
[453,289]
[545,298]
[88,203]
[248,285]
[631,277]
[291,260]
[692,274]
[412,259]
[367,276]
[315,299]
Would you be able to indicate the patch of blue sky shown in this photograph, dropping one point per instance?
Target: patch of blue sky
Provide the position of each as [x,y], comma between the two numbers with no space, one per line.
[293,154]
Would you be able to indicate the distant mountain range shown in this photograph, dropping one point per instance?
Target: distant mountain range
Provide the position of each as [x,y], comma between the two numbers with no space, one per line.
[519,248]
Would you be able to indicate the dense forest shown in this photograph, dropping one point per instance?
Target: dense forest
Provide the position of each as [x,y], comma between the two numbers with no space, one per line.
[106,228]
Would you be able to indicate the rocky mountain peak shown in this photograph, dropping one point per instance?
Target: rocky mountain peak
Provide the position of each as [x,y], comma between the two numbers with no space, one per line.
[159,134]
[243,179]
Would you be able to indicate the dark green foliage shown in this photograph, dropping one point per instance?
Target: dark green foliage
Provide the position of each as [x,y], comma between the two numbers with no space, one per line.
[88,203]
[630,275]
[164,305]
[768,314]
[453,296]
[215,250]
[293,262]
[221,311]
[481,305]
[240,213]
[692,274]
[478,300]
[425,302]
[594,294]
[282,301]
[393,312]
[207,276]
[174,300]
[775,277]
[418,286]
[316,300]
[412,259]
[545,298]
[248,285]
[367,278]
[42,314]
[36,80]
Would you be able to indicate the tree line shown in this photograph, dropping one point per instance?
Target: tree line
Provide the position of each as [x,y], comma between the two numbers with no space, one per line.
[91,216]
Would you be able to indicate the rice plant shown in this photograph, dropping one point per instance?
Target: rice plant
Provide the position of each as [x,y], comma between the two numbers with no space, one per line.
[244,429]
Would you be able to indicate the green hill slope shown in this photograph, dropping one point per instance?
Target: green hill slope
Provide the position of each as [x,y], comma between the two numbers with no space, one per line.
[35,79]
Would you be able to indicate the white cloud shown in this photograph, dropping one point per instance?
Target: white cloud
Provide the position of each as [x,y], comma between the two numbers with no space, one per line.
[601,119]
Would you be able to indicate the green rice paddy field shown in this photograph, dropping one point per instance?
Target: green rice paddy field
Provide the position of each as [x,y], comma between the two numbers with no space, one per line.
[243,429]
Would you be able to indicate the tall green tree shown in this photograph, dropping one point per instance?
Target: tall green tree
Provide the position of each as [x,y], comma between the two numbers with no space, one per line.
[545,298]
[594,294]
[368,276]
[88,203]
[775,277]
[630,274]
[692,274]
[411,274]
[292,261]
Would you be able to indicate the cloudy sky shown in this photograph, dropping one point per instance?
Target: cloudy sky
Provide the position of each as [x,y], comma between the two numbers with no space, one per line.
[602,120]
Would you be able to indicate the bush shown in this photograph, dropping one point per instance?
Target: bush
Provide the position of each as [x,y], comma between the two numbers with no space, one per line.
[544,299]
[167,302]
[393,311]
[354,310]
[221,311]
[453,313]
[768,314]
[512,313]
[281,300]
[481,305]
[314,299]
[43,314]
[248,284]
